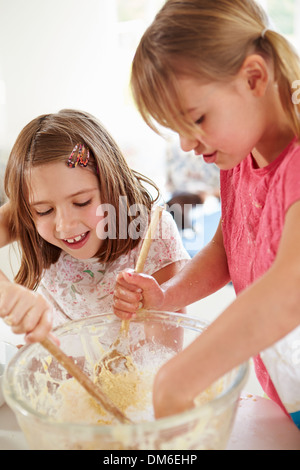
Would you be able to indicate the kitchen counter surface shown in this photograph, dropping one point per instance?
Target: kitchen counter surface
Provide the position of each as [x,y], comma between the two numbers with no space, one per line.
[259,425]
[11,436]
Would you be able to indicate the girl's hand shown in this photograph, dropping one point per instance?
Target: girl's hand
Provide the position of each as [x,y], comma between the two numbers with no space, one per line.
[25,311]
[134,291]
[169,394]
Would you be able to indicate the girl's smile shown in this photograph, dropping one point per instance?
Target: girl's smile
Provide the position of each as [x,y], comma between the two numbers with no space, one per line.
[64,203]
[77,242]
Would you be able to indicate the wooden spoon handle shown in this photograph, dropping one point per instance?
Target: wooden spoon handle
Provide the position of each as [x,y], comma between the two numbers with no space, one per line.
[84,380]
[139,268]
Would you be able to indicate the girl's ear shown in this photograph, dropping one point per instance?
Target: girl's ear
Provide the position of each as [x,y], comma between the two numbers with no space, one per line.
[256,72]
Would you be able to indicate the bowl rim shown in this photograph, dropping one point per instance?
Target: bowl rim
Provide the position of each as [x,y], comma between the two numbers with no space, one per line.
[164,423]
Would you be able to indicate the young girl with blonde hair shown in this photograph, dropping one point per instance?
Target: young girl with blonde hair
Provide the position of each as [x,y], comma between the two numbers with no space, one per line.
[78,213]
[218,76]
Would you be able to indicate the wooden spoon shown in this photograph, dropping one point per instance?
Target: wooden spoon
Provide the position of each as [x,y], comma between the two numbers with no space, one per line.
[116,358]
[92,388]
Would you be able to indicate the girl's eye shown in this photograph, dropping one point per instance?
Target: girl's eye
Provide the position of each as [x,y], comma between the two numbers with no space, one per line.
[78,204]
[200,120]
[82,204]
[44,213]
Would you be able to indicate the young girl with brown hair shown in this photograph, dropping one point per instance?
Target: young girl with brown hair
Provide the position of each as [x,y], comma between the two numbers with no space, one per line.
[218,76]
[78,213]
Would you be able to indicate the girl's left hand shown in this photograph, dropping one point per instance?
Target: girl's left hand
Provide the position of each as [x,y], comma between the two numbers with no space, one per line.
[133,291]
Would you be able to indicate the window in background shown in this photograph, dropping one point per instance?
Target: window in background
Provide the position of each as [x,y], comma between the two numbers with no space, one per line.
[285,15]
[133,18]
[143,149]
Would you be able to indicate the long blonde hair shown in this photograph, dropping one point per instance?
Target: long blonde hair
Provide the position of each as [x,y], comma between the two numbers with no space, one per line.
[209,40]
[51,138]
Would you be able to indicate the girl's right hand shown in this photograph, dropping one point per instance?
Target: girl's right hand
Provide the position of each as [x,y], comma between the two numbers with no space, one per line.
[134,291]
[24,310]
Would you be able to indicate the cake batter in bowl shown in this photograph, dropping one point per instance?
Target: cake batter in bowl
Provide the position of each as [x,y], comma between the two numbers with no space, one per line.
[55,412]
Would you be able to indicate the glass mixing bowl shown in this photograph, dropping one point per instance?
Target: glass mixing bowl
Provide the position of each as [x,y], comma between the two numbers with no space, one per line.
[33,380]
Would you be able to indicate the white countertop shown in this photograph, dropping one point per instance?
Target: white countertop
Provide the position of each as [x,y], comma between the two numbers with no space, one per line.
[11,436]
[260,424]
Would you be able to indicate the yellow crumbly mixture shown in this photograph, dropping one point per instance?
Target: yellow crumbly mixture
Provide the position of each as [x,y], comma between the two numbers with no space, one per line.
[129,390]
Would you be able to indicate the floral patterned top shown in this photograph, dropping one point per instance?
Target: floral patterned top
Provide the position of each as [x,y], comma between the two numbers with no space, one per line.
[79,288]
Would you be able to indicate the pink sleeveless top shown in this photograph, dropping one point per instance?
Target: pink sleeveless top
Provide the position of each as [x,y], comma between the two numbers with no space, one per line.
[254,205]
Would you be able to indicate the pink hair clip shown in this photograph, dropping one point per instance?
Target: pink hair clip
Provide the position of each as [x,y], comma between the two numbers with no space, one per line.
[80,156]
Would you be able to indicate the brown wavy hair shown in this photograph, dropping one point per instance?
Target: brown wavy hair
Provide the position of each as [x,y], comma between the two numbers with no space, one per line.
[50,138]
[208,40]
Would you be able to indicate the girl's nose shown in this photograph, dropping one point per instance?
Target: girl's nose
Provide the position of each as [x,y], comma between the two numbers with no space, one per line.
[188,143]
[65,222]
